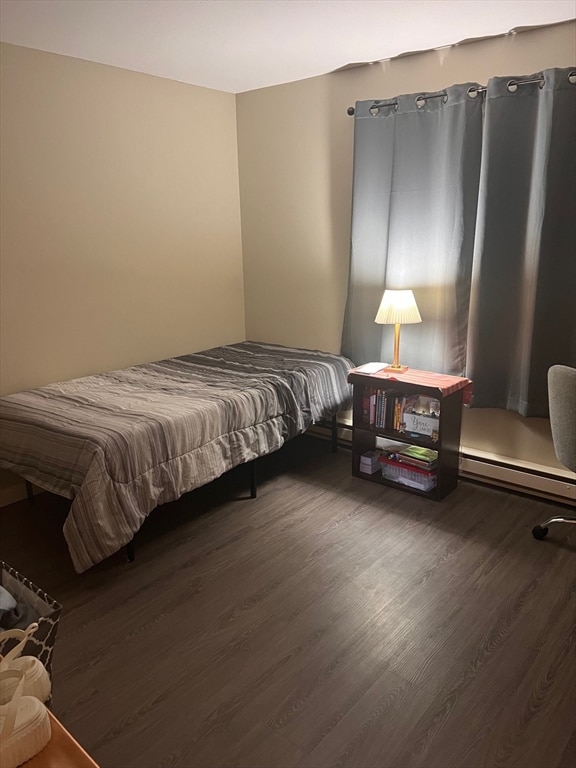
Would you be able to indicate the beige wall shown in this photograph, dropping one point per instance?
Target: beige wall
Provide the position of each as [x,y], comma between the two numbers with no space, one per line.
[295,154]
[120,219]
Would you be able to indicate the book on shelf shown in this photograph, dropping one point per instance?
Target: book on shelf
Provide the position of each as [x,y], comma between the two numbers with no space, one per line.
[418,454]
[369,397]
[366,406]
[389,409]
[381,408]
[408,462]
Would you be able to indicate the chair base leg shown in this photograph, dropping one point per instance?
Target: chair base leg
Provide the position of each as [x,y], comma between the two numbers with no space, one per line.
[541,531]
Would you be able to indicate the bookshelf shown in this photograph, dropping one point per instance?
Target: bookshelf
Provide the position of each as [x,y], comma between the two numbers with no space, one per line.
[392,411]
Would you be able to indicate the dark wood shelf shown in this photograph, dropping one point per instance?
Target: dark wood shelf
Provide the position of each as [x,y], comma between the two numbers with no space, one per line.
[449,425]
[400,437]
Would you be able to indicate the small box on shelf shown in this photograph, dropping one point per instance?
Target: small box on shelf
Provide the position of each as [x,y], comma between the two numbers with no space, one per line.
[370,462]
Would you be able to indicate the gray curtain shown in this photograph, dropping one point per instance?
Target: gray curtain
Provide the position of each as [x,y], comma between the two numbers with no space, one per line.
[416,174]
[523,296]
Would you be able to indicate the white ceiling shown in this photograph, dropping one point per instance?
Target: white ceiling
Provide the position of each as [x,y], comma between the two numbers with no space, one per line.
[240,45]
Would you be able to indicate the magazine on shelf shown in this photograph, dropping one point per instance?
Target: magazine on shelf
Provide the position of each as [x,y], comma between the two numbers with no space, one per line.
[418,453]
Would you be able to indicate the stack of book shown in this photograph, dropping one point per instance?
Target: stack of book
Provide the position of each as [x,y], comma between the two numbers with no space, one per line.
[418,456]
[414,466]
[389,409]
[375,406]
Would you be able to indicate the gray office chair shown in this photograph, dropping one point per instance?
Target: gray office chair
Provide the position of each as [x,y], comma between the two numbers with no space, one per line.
[562,401]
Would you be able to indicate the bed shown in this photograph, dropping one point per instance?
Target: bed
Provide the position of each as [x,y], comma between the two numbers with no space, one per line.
[118,444]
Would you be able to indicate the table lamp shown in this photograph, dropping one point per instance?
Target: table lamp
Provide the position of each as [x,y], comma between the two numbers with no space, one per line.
[397,308]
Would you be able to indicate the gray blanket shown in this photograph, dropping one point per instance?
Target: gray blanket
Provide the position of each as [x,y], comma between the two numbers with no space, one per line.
[121,443]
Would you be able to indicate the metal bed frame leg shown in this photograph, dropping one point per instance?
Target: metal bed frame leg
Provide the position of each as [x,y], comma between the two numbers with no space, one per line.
[253,490]
[129,548]
[334,434]
[29,492]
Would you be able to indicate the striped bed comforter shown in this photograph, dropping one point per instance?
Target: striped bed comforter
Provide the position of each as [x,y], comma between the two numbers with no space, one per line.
[121,443]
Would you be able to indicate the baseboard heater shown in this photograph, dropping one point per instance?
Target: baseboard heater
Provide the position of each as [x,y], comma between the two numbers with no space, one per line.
[524,479]
[501,474]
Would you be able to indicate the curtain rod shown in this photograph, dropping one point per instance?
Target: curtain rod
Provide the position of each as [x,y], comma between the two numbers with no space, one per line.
[512,85]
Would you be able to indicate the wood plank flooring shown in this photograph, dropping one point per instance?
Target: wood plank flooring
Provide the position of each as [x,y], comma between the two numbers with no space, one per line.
[329,622]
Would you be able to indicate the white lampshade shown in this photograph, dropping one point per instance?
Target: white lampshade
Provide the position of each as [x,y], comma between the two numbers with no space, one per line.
[398,307]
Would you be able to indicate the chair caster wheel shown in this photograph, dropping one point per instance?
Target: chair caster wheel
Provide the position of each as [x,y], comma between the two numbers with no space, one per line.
[539,532]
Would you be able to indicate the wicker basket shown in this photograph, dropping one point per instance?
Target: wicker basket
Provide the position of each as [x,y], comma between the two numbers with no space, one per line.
[41,644]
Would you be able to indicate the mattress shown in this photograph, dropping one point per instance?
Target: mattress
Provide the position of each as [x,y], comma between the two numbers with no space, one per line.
[121,443]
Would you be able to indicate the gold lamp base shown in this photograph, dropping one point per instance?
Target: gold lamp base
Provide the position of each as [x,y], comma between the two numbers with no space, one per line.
[395,368]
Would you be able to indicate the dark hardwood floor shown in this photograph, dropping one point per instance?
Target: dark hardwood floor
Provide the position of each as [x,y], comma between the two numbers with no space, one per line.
[329,622]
